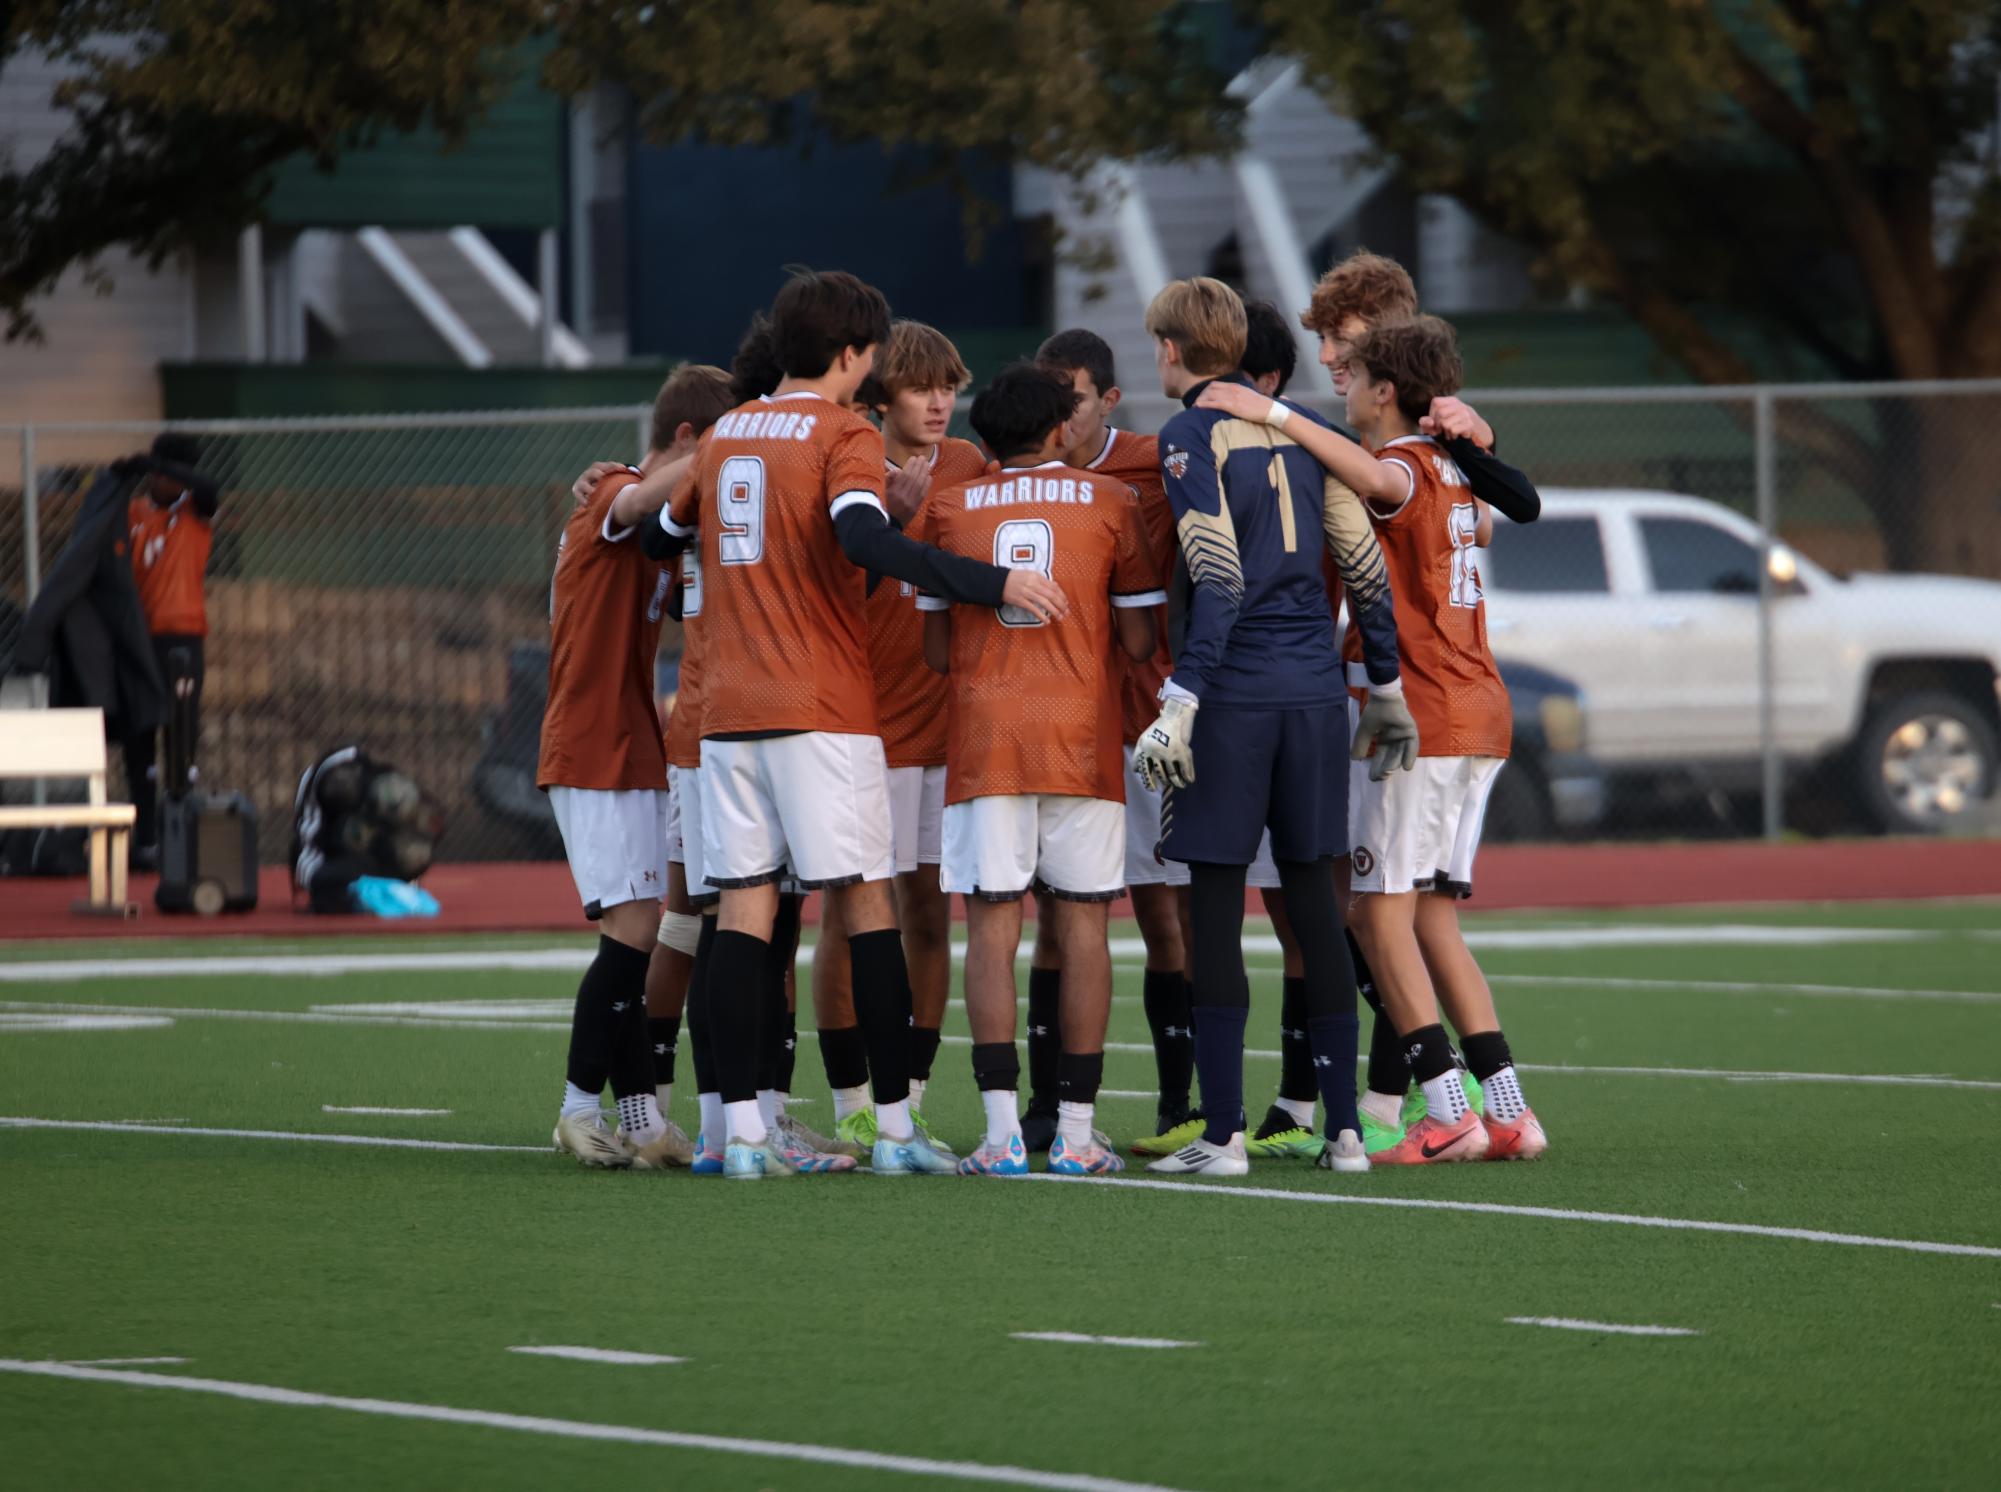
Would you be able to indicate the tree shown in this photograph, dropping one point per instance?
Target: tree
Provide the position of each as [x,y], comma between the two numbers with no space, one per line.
[1826,168]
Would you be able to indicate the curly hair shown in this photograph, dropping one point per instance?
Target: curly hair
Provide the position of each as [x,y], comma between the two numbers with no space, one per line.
[1418,356]
[1365,285]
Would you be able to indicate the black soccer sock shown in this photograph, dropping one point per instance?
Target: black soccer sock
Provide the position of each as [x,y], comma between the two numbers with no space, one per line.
[604,997]
[1334,1039]
[1078,1075]
[733,997]
[1164,992]
[996,1066]
[1219,1057]
[1045,1035]
[788,1054]
[665,1033]
[1429,1052]
[774,1036]
[696,1009]
[882,1009]
[845,1056]
[1389,1069]
[632,1053]
[1486,1054]
[1295,1051]
[1222,995]
[923,1052]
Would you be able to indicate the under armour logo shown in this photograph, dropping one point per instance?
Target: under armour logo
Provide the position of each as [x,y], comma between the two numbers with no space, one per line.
[1323,1061]
[619,1007]
[1299,1035]
[1038,1030]
[1188,1031]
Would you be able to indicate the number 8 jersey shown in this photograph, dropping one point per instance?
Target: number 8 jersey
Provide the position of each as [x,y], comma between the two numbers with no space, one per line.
[785,634]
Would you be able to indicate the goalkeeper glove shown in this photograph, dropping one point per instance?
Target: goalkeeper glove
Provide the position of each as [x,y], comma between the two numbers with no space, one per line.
[1387,727]
[1164,756]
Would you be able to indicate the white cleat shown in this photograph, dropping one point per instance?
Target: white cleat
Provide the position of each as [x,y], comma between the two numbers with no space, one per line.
[592,1143]
[1200,1158]
[1344,1153]
[669,1147]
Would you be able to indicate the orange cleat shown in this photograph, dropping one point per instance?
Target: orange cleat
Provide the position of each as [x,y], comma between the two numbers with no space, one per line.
[1431,1142]
[1521,1138]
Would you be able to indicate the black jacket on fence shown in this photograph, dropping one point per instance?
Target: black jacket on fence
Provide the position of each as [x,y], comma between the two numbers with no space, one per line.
[86,629]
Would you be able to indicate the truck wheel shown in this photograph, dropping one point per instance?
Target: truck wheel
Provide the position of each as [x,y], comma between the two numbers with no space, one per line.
[1518,808]
[1923,763]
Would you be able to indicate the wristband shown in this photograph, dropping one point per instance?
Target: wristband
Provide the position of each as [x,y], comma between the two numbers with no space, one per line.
[1277,415]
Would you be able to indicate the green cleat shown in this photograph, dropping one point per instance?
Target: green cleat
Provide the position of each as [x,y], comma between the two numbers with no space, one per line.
[1378,1136]
[1172,1138]
[858,1129]
[1281,1137]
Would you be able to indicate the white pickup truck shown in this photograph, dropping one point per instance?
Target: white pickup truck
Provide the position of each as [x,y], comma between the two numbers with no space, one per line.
[1886,684]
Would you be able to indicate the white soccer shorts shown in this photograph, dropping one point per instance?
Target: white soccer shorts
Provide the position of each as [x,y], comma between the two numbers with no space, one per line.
[816,802]
[916,815]
[684,828]
[1143,866]
[998,847]
[616,842]
[1419,830]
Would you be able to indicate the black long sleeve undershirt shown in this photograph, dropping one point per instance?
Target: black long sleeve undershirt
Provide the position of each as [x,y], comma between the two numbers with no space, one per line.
[1505,488]
[202,490]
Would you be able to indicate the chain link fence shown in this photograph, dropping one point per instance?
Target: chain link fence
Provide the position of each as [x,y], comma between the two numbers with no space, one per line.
[1745,611]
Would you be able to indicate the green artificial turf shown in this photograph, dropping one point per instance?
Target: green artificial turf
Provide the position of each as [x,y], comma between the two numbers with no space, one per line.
[1340,1345]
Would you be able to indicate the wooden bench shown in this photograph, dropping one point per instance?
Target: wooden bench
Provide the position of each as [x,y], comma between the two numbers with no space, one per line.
[69,744]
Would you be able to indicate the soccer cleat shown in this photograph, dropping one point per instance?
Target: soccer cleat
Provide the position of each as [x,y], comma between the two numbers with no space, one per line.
[1281,1137]
[1521,1138]
[923,1126]
[858,1130]
[1378,1136]
[916,1156]
[805,1159]
[752,1160]
[1200,1158]
[1010,1159]
[1415,1107]
[671,1147]
[592,1143]
[1173,1135]
[1428,1142]
[1096,1159]
[811,1139]
[1038,1129]
[707,1162]
[1345,1153]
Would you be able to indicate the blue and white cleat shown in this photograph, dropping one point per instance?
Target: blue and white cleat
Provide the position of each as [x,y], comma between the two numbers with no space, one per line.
[802,1157]
[1096,1159]
[916,1156]
[1010,1159]
[745,1160]
[707,1162]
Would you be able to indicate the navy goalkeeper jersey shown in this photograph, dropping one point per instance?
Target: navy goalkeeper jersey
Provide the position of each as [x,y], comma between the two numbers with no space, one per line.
[1249,509]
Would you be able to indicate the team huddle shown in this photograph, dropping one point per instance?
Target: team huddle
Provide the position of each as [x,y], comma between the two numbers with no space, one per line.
[1250,651]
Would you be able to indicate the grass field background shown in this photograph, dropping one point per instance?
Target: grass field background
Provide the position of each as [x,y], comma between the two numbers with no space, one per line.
[1341,1337]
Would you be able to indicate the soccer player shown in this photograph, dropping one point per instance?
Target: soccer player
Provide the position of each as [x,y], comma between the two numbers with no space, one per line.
[788,502]
[1255,713]
[1416,834]
[917,378]
[1035,785]
[1158,887]
[603,767]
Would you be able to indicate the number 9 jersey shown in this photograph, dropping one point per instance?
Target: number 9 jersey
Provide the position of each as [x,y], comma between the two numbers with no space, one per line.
[785,633]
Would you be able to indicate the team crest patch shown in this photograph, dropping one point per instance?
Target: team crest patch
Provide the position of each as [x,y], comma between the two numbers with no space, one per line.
[1176,463]
[1365,860]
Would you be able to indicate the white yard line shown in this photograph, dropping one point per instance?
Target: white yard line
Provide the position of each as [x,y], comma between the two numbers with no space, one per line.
[1748,987]
[1493,1209]
[1079,1339]
[326,1017]
[122,1362]
[15,1023]
[821,1455]
[362,1108]
[1127,1093]
[601,1354]
[1568,1323]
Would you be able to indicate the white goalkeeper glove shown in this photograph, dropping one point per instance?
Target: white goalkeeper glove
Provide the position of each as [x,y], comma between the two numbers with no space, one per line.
[1164,756]
[1387,727]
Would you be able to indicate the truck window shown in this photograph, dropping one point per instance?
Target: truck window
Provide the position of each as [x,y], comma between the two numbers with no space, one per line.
[1686,554]
[1556,556]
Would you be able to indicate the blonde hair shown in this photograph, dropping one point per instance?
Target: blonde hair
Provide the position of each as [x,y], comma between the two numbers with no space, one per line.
[1204,318]
[917,356]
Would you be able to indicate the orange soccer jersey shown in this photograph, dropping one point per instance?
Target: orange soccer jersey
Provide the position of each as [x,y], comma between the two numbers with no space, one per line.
[909,697]
[1035,706]
[786,644]
[1135,460]
[1451,682]
[684,725]
[605,606]
[170,549]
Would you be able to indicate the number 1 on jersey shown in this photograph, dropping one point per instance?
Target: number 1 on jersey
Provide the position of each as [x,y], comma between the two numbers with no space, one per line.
[740,510]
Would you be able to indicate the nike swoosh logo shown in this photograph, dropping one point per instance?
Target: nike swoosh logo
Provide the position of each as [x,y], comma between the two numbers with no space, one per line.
[1430,1154]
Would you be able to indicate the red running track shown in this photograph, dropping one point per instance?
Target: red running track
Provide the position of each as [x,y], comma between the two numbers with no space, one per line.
[538,896]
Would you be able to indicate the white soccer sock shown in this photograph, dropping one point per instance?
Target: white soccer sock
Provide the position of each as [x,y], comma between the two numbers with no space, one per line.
[663,1094]
[1504,1095]
[1301,1110]
[714,1136]
[639,1117]
[1445,1097]
[1073,1122]
[917,1093]
[892,1120]
[1385,1108]
[744,1121]
[850,1101]
[768,1106]
[578,1104]
[781,1098]
[1003,1114]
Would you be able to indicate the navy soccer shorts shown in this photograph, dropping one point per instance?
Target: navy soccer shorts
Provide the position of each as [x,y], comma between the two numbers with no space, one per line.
[1282,769]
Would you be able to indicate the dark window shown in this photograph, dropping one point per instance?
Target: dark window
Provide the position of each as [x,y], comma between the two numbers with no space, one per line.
[1686,554]
[1554,556]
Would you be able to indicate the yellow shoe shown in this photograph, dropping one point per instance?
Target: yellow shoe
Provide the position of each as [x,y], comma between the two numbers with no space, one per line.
[1171,1138]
